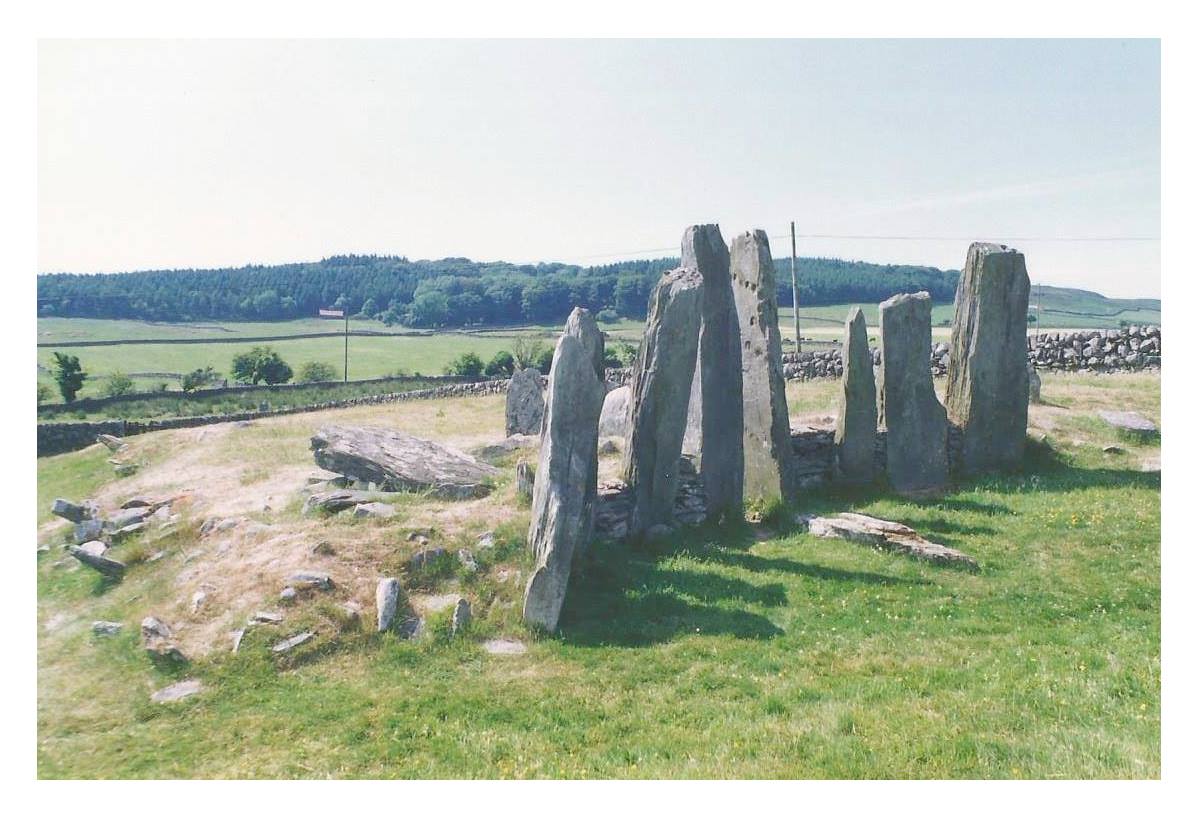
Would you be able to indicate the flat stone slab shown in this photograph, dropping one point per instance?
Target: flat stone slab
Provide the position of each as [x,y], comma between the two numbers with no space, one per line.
[504,647]
[177,691]
[1129,421]
[882,534]
[400,462]
[291,643]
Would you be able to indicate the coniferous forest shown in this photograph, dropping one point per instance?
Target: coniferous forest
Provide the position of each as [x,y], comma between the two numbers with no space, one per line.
[439,293]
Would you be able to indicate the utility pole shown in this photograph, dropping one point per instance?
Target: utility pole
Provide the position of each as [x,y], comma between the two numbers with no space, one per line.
[1038,314]
[346,345]
[793,274]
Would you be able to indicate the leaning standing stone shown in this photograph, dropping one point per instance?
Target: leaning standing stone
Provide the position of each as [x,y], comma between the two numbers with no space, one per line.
[716,398]
[855,432]
[915,422]
[987,382]
[767,453]
[660,389]
[525,403]
[566,479]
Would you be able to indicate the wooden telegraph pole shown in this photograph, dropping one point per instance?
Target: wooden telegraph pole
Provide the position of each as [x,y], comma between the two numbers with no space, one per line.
[346,345]
[793,274]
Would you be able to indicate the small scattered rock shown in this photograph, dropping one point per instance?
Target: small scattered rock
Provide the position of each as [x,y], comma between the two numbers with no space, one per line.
[410,628]
[265,618]
[310,580]
[287,595]
[106,628]
[291,643]
[177,691]
[197,601]
[1112,449]
[323,548]
[420,536]
[124,469]
[425,557]
[468,562]
[486,540]
[504,647]
[94,548]
[43,549]
[158,641]
[376,509]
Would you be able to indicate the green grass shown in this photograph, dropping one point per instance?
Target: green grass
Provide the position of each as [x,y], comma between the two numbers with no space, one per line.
[716,653]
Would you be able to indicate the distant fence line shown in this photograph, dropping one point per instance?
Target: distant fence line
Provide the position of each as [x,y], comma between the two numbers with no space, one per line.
[364,332]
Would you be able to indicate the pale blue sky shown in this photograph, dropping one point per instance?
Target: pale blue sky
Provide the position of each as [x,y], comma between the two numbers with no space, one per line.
[165,154]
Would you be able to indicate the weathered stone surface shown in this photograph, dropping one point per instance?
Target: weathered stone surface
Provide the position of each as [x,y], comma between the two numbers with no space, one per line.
[94,548]
[375,509]
[504,647]
[525,403]
[398,461]
[330,501]
[310,580]
[387,598]
[177,691]
[113,443]
[915,422]
[290,643]
[718,379]
[75,513]
[462,614]
[158,640]
[102,564]
[88,529]
[855,428]
[126,517]
[495,453]
[425,557]
[1129,422]
[106,628]
[525,480]
[566,477]
[884,534]
[616,413]
[987,381]
[767,454]
[660,389]
[1035,385]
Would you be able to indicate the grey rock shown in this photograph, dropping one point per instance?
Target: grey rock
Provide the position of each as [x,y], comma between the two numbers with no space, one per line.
[1129,422]
[113,443]
[1112,449]
[525,403]
[467,560]
[75,513]
[425,557]
[127,531]
[105,565]
[126,517]
[660,390]
[882,534]
[716,395]
[197,601]
[486,540]
[616,413]
[401,462]
[1035,385]
[855,427]
[914,421]
[567,474]
[374,509]
[158,640]
[410,627]
[387,599]
[88,529]
[177,691]
[106,628]
[987,380]
[335,501]
[291,643]
[495,453]
[525,480]
[767,454]
[310,580]
[288,595]
[462,614]
[266,618]
[94,548]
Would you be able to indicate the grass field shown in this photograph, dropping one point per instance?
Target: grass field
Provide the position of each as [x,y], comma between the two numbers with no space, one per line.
[749,652]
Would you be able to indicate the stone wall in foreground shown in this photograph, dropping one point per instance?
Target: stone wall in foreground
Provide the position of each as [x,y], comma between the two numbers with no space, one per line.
[1098,351]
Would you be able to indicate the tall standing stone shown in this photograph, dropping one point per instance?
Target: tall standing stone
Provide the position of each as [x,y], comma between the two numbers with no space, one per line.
[768,471]
[567,476]
[660,389]
[525,403]
[987,381]
[716,398]
[915,423]
[855,431]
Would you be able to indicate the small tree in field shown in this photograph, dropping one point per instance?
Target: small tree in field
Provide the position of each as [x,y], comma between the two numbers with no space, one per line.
[69,375]
[317,372]
[118,384]
[527,352]
[199,378]
[468,364]
[503,364]
[43,392]
[262,364]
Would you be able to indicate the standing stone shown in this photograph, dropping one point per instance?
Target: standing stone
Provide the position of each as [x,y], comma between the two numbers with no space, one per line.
[616,408]
[767,452]
[525,403]
[525,479]
[716,396]
[915,422]
[660,390]
[855,431]
[1035,381]
[987,381]
[566,480]
[386,598]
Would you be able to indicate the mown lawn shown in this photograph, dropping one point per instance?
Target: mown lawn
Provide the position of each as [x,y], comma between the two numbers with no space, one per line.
[720,653]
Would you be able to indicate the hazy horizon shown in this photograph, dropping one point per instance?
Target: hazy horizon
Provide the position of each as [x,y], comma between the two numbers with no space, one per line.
[204,154]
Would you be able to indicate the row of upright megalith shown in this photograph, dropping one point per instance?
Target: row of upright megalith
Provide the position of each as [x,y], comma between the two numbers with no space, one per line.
[708,381]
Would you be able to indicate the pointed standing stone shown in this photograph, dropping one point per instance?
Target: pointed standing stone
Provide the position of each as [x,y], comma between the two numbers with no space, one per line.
[660,391]
[566,480]
[716,398]
[855,431]
[987,381]
[768,471]
[525,403]
[914,421]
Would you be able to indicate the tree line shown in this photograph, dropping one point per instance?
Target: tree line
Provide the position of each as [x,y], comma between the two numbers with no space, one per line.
[439,293]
